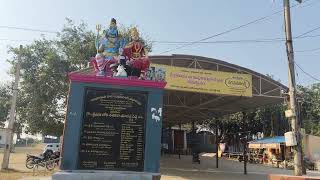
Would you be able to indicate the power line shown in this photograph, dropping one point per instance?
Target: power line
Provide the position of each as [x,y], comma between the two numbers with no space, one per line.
[230,30]
[303,36]
[312,30]
[17,40]
[308,74]
[28,29]
[186,42]
[227,41]
[245,41]
[267,40]
[270,40]
[309,50]
[310,36]
[236,41]
[309,4]
[189,42]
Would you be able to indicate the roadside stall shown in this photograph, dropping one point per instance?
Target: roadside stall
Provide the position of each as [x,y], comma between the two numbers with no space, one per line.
[270,150]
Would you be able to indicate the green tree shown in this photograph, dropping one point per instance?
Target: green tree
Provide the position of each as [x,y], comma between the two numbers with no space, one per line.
[310,108]
[269,119]
[272,120]
[4,103]
[75,44]
[42,89]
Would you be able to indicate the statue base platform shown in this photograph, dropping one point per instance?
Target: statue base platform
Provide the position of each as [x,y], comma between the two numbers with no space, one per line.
[104,175]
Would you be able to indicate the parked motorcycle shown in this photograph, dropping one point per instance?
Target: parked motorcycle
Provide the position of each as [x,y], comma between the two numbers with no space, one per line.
[195,157]
[48,160]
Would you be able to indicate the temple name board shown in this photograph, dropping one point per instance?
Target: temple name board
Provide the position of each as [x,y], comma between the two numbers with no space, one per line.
[206,81]
[113,130]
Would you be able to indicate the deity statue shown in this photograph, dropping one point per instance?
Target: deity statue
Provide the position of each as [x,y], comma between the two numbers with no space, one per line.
[137,54]
[110,44]
[108,48]
[100,64]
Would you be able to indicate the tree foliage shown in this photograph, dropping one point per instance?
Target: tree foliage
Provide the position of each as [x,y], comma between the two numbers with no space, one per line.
[268,120]
[76,44]
[43,86]
[310,108]
[4,103]
[271,120]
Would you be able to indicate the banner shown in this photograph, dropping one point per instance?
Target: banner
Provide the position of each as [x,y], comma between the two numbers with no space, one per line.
[205,81]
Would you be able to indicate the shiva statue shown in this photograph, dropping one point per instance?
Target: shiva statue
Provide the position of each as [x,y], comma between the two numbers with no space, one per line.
[108,48]
[137,54]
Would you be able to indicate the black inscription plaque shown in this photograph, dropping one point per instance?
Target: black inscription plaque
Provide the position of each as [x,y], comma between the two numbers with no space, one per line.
[113,130]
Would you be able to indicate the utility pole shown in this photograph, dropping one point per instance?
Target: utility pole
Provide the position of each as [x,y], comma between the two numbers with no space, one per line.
[217,143]
[9,130]
[292,89]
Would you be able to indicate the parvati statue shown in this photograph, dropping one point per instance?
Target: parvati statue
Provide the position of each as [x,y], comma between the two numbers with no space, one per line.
[137,54]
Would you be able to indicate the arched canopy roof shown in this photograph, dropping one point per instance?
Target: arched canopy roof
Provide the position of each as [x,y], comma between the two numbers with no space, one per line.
[182,107]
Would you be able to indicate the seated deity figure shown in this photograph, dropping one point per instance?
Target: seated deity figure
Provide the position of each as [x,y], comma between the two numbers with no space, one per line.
[107,48]
[110,44]
[137,54]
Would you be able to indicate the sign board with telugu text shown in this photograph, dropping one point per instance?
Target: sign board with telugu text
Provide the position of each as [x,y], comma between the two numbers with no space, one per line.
[206,81]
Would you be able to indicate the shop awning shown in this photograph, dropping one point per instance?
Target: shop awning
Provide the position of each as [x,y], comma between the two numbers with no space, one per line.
[273,143]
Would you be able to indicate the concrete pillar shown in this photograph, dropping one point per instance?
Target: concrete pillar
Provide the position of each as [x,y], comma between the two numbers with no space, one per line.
[185,140]
[172,138]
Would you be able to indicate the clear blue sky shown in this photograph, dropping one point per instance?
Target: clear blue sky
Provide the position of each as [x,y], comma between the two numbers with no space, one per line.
[180,20]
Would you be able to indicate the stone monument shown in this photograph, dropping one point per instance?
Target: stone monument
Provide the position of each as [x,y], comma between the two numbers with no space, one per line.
[112,129]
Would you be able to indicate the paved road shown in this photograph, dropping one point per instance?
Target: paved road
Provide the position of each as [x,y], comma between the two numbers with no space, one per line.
[173,168]
[36,178]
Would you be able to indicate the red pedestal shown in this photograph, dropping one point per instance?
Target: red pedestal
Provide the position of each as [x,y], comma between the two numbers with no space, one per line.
[90,77]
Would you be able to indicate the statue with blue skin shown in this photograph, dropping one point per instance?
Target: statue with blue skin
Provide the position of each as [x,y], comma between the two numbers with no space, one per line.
[108,49]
